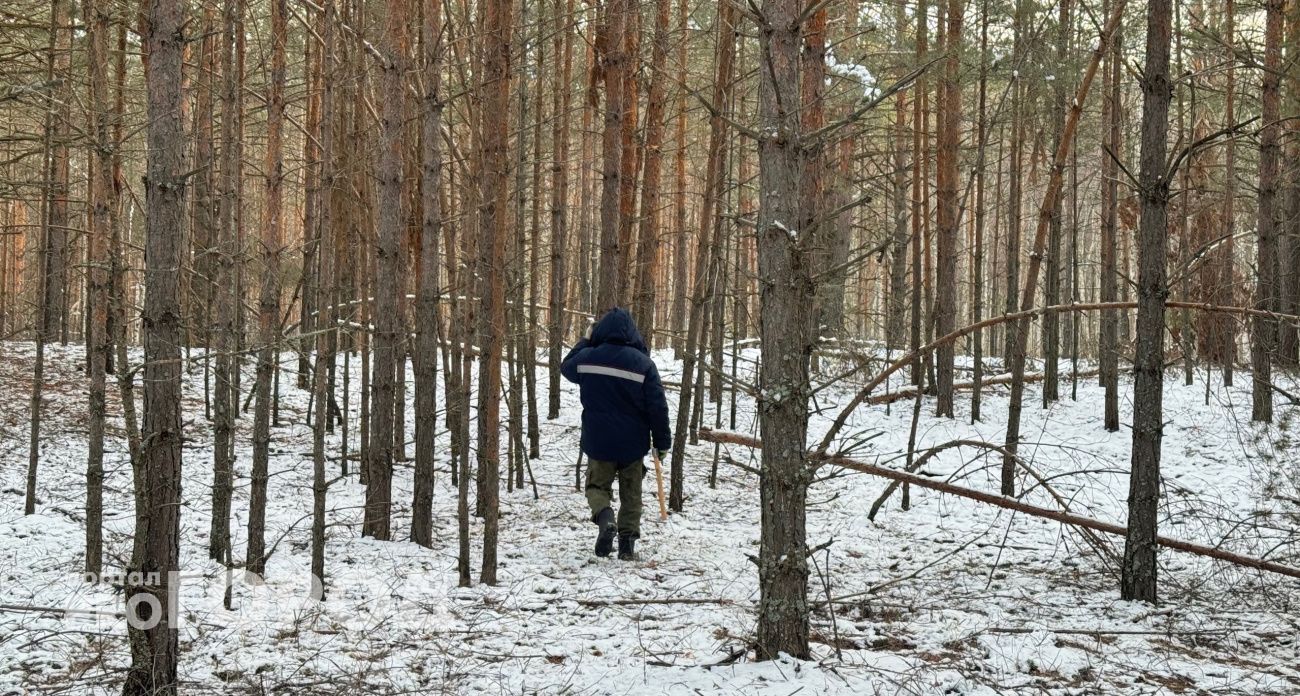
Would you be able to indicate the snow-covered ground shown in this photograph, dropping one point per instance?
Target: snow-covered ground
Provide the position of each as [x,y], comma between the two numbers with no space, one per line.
[949,597]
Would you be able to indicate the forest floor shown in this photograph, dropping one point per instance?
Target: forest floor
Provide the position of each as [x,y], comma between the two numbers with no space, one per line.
[951,596]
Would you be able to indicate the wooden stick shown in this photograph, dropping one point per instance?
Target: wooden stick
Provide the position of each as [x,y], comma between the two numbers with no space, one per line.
[662,600]
[659,480]
[720,436]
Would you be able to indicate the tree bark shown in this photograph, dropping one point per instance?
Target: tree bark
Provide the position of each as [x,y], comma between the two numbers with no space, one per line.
[388,255]
[426,364]
[560,105]
[153,638]
[325,285]
[268,317]
[102,190]
[1051,330]
[1227,277]
[949,221]
[1108,339]
[1263,338]
[1138,580]
[787,341]
[725,53]
[226,396]
[610,50]
[491,265]
[894,327]
[648,235]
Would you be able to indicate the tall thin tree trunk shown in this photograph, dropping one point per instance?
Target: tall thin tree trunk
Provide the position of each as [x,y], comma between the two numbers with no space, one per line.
[949,222]
[268,317]
[560,105]
[681,251]
[226,397]
[49,248]
[648,235]
[491,265]
[611,52]
[898,290]
[1108,343]
[977,264]
[1227,279]
[787,291]
[426,364]
[1051,330]
[102,191]
[388,255]
[1138,580]
[153,638]
[55,302]
[1263,335]
[324,294]
[918,185]
[725,52]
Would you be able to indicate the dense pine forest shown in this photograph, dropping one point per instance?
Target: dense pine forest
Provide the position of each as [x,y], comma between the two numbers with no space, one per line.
[977,322]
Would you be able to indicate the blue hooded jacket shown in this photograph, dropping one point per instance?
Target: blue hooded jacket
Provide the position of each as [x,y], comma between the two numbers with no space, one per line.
[623,403]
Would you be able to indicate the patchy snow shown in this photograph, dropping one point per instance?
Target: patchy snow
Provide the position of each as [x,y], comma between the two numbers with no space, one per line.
[949,597]
[855,72]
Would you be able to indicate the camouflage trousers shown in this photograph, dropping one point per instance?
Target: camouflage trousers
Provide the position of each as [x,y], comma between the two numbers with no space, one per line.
[600,492]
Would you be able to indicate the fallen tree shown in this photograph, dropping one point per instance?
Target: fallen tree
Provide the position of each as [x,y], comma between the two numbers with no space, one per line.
[910,392]
[862,395]
[727,437]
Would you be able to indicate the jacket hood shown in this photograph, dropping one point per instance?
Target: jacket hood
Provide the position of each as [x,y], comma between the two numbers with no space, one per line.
[617,327]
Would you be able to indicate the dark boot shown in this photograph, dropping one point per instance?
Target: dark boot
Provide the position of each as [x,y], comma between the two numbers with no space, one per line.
[605,540]
[625,547]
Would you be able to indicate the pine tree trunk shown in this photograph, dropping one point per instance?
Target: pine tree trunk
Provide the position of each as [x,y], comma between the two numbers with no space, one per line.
[610,50]
[1108,344]
[154,641]
[202,203]
[1227,277]
[491,265]
[426,364]
[725,52]
[226,396]
[787,292]
[97,23]
[1015,196]
[948,209]
[268,317]
[325,285]
[918,184]
[1263,337]
[898,291]
[388,255]
[1051,331]
[1139,569]
[561,103]
[1019,332]
[55,302]
[648,234]
[681,252]
[977,264]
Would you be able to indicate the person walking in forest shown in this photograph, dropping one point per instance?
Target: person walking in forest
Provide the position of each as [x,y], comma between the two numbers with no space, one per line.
[623,410]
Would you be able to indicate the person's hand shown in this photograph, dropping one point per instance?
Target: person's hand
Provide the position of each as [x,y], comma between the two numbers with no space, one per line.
[662,454]
[590,328]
